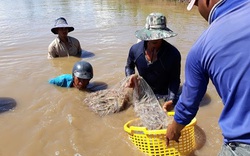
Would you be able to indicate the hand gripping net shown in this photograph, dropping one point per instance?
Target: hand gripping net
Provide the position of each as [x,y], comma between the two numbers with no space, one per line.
[118,98]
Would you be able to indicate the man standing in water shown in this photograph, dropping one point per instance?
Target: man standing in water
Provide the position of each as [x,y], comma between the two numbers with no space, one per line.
[222,53]
[82,73]
[63,45]
[157,61]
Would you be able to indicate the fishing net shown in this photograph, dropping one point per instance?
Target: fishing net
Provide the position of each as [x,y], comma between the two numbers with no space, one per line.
[119,97]
[147,106]
[110,101]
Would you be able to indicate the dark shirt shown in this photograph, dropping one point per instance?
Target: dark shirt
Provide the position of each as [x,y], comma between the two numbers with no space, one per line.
[163,75]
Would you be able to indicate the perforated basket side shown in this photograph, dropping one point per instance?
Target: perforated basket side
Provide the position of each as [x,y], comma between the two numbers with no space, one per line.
[153,142]
[154,145]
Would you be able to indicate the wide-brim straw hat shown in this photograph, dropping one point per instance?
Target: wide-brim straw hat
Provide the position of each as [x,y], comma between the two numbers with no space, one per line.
[61,23]
[155,28]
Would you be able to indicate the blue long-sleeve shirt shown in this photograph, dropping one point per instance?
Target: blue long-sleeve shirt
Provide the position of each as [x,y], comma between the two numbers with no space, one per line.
[222,53]
[65,80]
[163,75]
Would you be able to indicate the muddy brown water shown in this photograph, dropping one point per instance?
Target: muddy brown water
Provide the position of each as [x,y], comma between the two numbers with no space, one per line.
[50,120]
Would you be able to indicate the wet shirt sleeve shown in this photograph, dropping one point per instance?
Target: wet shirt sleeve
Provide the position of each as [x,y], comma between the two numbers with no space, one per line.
[64,80]
[52,51]
[130,66]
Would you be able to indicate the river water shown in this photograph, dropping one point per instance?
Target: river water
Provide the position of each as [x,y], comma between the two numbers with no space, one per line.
[54,121]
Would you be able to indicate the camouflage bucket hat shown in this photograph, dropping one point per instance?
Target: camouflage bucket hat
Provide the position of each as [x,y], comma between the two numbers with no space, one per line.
[155,28]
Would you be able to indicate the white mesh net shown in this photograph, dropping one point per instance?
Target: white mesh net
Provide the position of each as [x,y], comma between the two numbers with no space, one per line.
[147,107]
[118,98]
[109,101]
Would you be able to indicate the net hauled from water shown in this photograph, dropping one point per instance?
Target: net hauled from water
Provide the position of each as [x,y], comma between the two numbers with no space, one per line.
[119,97]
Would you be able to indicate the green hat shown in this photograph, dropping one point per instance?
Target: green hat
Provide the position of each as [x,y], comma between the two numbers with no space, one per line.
[155,28]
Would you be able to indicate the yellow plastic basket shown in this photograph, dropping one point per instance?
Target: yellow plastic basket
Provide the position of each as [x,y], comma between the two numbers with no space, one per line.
[153,142]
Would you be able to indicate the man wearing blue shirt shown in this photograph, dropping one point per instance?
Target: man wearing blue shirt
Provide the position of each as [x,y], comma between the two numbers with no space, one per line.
[222,53]
[82,73]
